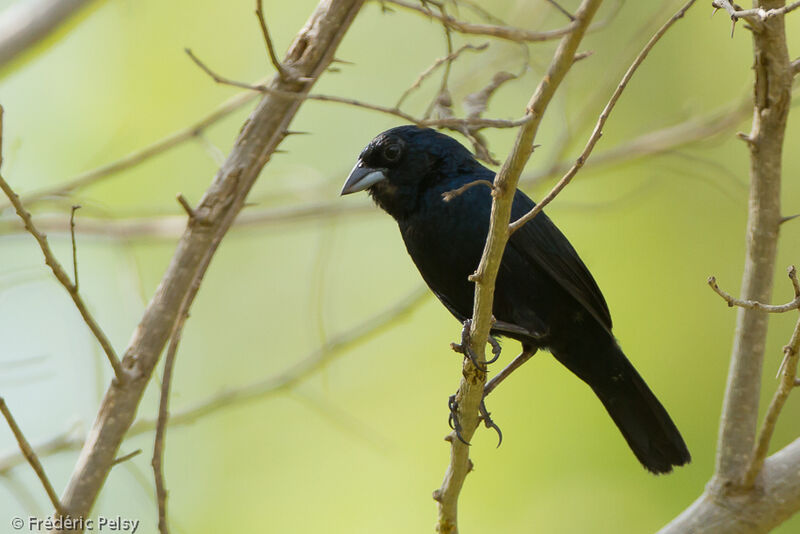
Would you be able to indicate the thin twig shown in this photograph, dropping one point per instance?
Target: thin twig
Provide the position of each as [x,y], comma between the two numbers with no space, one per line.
[60,274]
[561,9]
[752,304]
[161,423]
[450,123]
[73,438]
[126,457]
[140,156]
[30,455]
[435,65]
[75,208]
[284,74]
[788,382]
[598,129]
[501,32]
[450,195]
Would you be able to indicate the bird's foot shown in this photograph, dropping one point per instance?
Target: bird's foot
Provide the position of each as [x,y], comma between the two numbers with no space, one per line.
[487,421]
[464,348]
[453,421]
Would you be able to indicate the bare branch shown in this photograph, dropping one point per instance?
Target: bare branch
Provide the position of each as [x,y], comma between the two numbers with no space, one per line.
[268,42]
[752,304]
[450,123]
[74,245]
[310,54]
[163,417]
[27,451]
[61,275]
[501,32]
[26,23]
[471,388]
[142,155]
[787,384]
[771,101]
[435,65]
[598,129]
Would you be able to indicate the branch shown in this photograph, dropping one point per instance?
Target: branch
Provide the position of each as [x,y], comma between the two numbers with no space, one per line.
[138,157]
[752,304]
[501,32]
[310,54]
[27,451]
[598,129]
[470,391]
[317,359]
[161,423]
[451,123]
[771,100]
[27,22]
[60,274]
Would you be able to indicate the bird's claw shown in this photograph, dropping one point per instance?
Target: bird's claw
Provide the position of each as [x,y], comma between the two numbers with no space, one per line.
[453,421]
[464,348]
[489,423]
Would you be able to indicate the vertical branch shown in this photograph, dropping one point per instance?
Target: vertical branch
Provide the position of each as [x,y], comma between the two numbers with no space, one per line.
[470,391]
[771,100]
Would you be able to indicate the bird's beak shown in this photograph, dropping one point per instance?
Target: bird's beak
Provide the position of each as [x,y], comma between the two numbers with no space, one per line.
[362,177]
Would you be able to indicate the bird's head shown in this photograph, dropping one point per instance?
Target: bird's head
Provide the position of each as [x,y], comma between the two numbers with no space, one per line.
[402,162]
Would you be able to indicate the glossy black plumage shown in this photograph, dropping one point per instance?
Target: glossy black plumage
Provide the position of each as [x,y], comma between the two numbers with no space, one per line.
[545,296]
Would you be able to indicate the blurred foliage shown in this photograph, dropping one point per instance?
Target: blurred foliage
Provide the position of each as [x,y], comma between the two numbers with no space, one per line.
[358,446]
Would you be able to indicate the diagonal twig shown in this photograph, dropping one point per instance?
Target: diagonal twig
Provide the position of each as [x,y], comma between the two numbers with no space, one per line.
[30,455]
[60,274]
[598,129]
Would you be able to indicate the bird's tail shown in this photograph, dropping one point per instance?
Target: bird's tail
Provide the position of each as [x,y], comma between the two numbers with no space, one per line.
[643,421]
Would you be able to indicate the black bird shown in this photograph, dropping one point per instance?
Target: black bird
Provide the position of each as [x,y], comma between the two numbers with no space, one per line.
[545,296]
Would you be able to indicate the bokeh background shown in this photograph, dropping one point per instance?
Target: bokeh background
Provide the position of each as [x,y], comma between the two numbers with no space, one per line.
[357,445]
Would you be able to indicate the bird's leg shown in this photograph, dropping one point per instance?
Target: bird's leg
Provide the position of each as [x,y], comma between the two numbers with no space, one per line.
[453,421]
[527,353]
[463,348]
[487,420]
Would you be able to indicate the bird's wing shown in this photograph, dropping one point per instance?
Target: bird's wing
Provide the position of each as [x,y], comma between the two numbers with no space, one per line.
[543,243]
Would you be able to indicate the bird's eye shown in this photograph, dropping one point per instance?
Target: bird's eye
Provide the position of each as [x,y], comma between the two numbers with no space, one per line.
[391,153]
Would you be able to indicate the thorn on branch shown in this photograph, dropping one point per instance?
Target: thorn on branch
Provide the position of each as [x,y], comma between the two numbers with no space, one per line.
[746,138]
[127,457]
[186,206]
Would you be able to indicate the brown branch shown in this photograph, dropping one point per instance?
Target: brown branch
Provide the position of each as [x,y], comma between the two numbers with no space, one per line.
[284,74]
[60,274]
[501,32]
[470,391]
[435,65]
[161,423]
[73,439]
[74,245]
[772,100]
[30,455]
[447,122]
[450,195]
[753,304]
[598,129]
[787,383]
[728,504]
[310,54]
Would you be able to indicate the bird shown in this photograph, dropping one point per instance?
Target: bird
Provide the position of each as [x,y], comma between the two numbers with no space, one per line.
[545,297]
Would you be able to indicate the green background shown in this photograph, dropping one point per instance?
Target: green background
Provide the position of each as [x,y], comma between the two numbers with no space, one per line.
[357,446]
